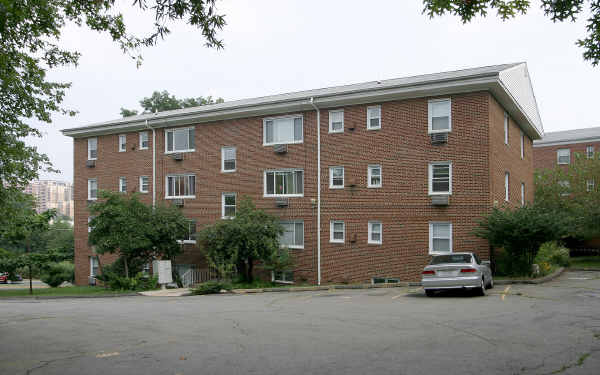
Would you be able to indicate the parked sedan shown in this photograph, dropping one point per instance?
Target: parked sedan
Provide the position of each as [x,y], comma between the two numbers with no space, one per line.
[457,271]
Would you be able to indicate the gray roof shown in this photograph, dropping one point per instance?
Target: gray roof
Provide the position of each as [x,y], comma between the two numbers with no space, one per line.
[569,136]
[444,83]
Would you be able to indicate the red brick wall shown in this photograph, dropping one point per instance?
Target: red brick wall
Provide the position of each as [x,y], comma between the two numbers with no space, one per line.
[402,147]
[545,157]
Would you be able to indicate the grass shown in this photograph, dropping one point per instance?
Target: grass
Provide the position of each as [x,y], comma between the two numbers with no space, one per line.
[528,277]
[257,284]
[56,292]
[586,262]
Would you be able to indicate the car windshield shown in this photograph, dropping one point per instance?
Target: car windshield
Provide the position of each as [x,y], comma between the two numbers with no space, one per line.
[456,258]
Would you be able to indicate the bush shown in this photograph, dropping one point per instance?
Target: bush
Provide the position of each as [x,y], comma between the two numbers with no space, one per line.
[506,264]
[57,273]
[211,287]
[553,253]
[138,282]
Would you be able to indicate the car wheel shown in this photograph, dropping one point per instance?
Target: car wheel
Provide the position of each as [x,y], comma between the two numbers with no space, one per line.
[481,289]
[491,283]
[430,292]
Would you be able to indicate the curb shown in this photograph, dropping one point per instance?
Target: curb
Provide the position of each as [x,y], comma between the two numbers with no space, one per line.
[26,298]
[323,287]
[584,269]
[541,280]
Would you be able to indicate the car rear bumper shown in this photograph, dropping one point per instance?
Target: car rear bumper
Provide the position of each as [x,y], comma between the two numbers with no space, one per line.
[467,282]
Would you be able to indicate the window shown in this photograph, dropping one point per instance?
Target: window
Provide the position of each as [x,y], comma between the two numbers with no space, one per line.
[191,233]
[337,231]
[122,185]
[563,156]
[284,183]
[590,185]
[89,227]
[122,143]
[181,186]
[336,177]
[384,280]
[374,176]
[92,189]
[93,266]
[522,145]
[440,238]
[179,140]
[144,184]
[374,117]
[228,205]
[522,193]
[143,140]
[565,188]
[375,232]
[440,178]
[505,127]
[282,130]
[228,155]
[293,234]
[506,189]
[92,148]
[283,276]
[439,116]
[589,151]
[336,121]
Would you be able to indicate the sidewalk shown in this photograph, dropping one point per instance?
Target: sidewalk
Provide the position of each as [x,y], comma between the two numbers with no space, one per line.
[178,292]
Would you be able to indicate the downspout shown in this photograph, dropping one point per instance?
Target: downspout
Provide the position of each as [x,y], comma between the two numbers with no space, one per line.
[312,102]
[153,164]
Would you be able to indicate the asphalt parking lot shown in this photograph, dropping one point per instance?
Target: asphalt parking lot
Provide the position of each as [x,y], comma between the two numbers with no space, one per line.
[553,328]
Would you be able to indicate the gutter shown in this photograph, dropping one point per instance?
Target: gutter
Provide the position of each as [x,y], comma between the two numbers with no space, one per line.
[312,103]
[153,163]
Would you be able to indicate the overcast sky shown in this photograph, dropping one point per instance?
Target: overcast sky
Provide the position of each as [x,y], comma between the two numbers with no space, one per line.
[275,46]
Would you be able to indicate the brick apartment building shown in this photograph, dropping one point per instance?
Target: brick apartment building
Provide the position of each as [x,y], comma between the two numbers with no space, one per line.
[559,148]
[368,179]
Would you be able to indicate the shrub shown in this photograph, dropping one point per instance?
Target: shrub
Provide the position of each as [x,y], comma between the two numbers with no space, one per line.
[211,287]
[138,282]
[553,253]
[57,273]
[506,264]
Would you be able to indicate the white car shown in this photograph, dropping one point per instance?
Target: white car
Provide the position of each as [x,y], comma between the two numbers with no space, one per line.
[457,271]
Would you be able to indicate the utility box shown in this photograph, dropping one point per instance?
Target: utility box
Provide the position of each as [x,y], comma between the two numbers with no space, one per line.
[162,268]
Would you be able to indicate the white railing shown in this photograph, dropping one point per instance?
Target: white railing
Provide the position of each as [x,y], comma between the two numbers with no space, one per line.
[195,276]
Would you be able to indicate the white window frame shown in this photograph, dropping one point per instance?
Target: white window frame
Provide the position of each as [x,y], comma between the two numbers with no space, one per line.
[522,194]
[331,113]
[430,178]
[142,185]
[122,181]
[589,185]
[451,247]
[589,152]
[369,175]
[89,220]
[147,140]
[92,258]
[171,130]
[506,128]
[90,198]
[266,195]
[298,247]
[331,226]
[507,186]
[179,196]
[369,117]
[90,149]
[430,104]
[188,241]
[223,149]
[273,279]
[331,185]
[122,142]
[223,205]
[522,145]
[558,155]
[370,232]
[274,120]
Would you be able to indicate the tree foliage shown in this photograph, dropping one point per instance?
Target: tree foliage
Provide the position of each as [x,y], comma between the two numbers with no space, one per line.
[30,46]
[556,10]
[251,236]
[163,101]
[123,224]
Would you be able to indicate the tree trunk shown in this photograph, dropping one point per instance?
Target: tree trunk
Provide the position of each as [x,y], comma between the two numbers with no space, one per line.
[30,282]
[126,267]
[250,266]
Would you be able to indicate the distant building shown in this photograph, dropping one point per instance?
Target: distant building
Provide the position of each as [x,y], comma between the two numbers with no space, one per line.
[559,148]
[52,194]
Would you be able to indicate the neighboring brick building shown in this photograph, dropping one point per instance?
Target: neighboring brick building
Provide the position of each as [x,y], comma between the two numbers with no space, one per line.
[407,167]
[559,148]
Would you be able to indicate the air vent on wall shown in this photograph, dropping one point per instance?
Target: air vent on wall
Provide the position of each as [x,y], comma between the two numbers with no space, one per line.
[178,202]
[439,200]
[90,163]
[282,202]
[439,138]
[280,149]
[177,156]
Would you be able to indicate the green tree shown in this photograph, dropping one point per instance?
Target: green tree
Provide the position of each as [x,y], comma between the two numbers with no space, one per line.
[138,232]
[557,10]
[521,231]
[251,236]
[163,101]
[30,46]
[573,191]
